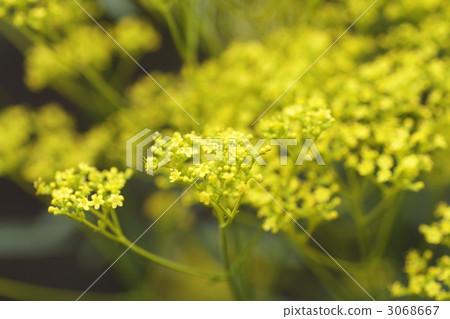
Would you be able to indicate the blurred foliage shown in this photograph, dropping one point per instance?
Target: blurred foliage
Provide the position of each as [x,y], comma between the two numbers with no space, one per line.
[376,105]
[426,280]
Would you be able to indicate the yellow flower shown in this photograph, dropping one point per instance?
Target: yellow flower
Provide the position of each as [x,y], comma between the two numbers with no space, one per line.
[116,200]
[205,198]
[97,201]
[174,175]
[84,203]
[366,167]
[385,162]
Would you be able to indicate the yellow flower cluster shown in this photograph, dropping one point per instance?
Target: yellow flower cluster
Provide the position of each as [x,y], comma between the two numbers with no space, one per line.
[439,231]
[87,48]
[220,160]
[428,280]
[48,17]
[376,105]
[308,192]
[386,90]
[312,199]
[307,120]
[85,192]
[136,35]
[424,279]
[35,143]
[389,106]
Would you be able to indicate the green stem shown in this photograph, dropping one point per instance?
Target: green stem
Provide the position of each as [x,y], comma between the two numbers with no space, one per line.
[247,251]
[104,88]
[191,28]
[124,71]
[219,208]
[116,222]
[17,290]
[175,34]
[223,225]
[103,218]
[226,263]
[321,258]
[358,212]
[378,210]
[155,258]
[168,263]
[328,280]
[17,38]
[80,96]
[385,229]
[317,263]
[358,217]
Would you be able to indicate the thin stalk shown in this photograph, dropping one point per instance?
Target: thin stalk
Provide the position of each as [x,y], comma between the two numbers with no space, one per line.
[378,210]
[153,257]
[191,28]
[80,96]
[247,251]
[226,263]
[174,32]
[233,213]
[218,207]
[319,257]
[124,71]
[104,88]
[385,229]
[116,223]
[106,221]
[223,225]
[333,286]
[358,213]
[17,290]
[361,230]
[318,265]
[20,41]
[168,263]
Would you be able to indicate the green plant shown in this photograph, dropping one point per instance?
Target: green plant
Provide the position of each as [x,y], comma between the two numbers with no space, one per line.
[424,279]
[376,105]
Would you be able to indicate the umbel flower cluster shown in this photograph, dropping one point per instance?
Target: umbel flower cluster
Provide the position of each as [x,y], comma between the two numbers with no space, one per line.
[36,143]
[376,105]
[86,194]
[219,162]
[308,118]
[387,93]
[237,176]
[428,277]
[89,49]
[312,196]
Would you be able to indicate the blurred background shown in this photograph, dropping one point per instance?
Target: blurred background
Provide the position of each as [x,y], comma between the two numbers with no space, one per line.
[68,94]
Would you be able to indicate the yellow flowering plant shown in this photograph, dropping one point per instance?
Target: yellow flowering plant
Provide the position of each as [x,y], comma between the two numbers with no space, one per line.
[425,277]
[365,131]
